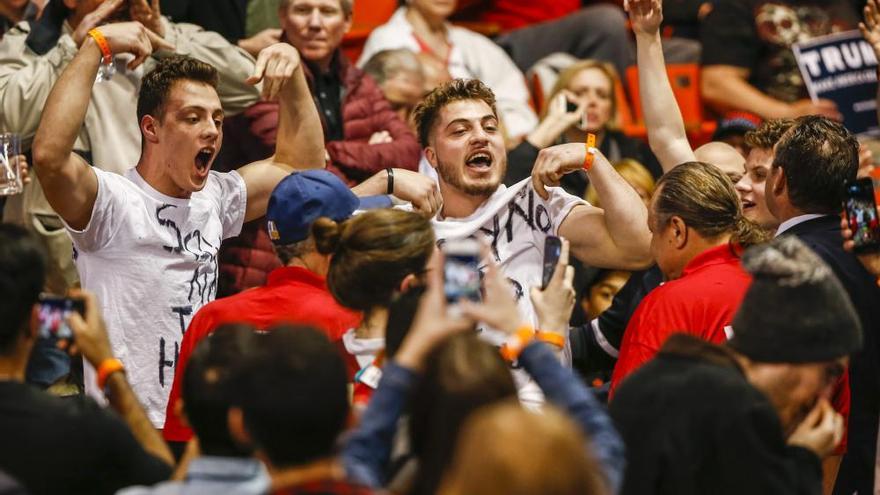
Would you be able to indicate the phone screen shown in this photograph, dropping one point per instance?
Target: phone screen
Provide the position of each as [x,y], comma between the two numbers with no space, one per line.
[861,213]
[552,250]
[53,313]
[462,271]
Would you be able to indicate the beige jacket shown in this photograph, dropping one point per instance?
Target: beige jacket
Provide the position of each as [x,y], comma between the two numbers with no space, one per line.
[111,131]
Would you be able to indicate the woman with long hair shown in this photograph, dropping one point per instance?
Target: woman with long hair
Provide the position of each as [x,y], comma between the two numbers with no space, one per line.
[582,101]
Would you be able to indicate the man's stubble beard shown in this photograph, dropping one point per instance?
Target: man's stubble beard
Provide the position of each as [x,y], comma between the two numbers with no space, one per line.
[449,176]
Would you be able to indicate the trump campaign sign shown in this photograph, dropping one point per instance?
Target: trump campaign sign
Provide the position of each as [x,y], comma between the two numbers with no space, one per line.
[842,67]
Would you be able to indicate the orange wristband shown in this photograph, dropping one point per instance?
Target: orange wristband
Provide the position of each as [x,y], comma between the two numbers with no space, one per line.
[102,44]
[551,338]
[518,341]
[590,143]
[107,368]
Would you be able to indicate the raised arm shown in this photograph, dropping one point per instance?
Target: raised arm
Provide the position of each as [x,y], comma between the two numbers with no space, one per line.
[666,131]
[558,383]
[300,143]
[27,77]
[68,181]
[616,237]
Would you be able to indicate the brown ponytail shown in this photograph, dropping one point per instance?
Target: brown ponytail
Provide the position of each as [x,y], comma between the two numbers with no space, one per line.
[373,253]
[748,233]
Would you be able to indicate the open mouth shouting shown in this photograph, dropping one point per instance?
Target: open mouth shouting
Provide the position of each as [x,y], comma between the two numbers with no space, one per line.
[480,161]
[203,160]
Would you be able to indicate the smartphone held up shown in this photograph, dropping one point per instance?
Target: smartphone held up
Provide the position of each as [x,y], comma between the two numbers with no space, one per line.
[461,270]
[861,215]
[53,313]
[552,251]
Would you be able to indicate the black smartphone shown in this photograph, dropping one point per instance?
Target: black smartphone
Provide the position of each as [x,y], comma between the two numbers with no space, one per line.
[570,106]
[53,314]
[861,213]
[552,250]
[461,270]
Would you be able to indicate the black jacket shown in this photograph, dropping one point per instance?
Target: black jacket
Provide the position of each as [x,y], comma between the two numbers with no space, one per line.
[692,424]
[822,235]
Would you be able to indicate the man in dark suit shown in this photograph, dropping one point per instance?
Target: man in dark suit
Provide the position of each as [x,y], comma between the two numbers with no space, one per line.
[804,191]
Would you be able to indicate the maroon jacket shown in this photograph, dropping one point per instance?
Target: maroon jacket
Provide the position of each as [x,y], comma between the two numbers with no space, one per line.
[365,111]
[245,261]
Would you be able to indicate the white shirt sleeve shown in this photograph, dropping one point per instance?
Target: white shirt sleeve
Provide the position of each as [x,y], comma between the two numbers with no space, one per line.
[559,205]
[232,200]
[107,213]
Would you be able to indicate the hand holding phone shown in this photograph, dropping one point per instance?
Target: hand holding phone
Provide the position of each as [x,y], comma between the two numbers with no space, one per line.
[461,270]
[552,250]
[53,312]
[553,303]
[862,217]
[89,330]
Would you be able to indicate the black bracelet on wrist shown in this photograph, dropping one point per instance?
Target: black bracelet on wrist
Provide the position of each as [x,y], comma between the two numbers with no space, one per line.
[390,174]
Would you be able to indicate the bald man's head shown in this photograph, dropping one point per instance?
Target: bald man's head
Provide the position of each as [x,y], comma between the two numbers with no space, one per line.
[723,156]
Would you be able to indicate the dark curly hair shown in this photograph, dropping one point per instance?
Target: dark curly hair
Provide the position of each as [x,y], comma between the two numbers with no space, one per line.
[426,112]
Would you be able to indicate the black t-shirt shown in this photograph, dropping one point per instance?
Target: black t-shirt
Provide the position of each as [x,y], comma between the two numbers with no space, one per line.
[758,34]
[52,445]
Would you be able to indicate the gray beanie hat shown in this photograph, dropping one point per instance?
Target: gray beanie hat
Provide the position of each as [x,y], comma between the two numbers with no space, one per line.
[795,310]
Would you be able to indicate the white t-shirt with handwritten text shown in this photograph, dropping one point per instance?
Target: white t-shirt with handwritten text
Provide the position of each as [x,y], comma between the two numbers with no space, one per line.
[514,222]
[152,261]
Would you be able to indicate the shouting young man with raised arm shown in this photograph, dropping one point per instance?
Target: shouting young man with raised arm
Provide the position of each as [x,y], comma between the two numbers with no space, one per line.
[147,242]
[458,127]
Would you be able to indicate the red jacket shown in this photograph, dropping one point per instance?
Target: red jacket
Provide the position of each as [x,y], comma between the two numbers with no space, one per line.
[292,294]
[365,111]
[702,302]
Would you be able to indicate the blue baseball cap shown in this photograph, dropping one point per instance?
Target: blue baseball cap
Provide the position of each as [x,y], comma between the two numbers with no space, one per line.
[303,197]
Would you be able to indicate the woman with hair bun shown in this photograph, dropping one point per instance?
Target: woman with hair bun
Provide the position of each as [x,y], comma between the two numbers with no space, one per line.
[376,255]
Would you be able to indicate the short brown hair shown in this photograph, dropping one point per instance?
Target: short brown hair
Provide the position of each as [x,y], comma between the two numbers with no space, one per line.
[426,113]
[157,84]
[372,253]
[706,200]
[768,134]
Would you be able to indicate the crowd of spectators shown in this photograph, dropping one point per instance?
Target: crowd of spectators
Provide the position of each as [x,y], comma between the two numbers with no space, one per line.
[266,236]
